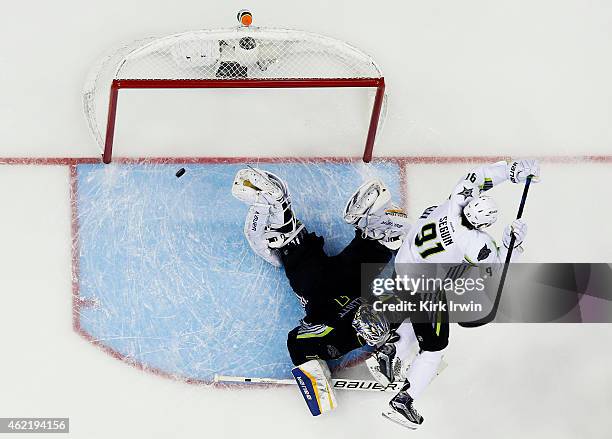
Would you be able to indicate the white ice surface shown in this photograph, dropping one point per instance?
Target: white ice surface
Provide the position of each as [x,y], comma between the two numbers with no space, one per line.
[470,77]
[502,380]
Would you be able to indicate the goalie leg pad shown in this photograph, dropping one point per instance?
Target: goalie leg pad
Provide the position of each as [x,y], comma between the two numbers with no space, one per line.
[314,381]
[256,186]
[383,364]
[255,231]
[269,195]
[370,210]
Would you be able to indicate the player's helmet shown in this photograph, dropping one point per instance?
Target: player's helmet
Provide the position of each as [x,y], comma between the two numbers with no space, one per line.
[481,212]
[373,327]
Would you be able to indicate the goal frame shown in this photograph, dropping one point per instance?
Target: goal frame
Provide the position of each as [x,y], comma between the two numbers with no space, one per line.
[378,83]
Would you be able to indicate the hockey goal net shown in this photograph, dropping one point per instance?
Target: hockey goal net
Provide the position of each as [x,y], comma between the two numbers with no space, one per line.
[236,58]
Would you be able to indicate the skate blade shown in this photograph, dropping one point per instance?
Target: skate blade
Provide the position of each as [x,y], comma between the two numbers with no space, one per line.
[399,419]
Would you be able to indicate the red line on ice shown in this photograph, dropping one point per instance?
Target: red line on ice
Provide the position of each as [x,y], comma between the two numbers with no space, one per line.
[54,161]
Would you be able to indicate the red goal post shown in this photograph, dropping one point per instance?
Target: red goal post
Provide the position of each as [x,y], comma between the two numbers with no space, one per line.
[244,57]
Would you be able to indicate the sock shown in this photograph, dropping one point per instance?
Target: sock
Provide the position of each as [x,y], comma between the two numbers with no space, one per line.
[404,346]
[422,371]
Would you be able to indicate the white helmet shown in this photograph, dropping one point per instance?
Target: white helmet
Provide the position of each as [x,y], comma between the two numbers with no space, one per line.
[481,212]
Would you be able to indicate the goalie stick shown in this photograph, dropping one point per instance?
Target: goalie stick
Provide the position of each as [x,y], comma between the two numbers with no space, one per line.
[491,316]
[338,383]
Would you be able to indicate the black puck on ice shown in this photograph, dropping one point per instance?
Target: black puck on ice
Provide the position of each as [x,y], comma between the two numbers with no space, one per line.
[180,172]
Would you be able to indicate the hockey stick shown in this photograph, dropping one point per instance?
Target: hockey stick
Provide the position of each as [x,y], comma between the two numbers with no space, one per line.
[491,316]
[338,383]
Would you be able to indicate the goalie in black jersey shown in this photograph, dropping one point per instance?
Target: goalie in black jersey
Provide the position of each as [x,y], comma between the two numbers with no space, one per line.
[337,318]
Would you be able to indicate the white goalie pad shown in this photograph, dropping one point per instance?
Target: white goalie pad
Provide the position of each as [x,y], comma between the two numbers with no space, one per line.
[374,369]
[256,186]
[255,228]
[370,210]
[314,381]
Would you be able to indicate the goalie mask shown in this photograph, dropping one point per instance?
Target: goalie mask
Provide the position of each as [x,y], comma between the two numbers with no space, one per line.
[373,327]
[481,212]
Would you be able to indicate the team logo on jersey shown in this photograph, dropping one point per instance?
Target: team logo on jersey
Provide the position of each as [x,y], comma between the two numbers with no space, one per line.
[484,253]
[467,193]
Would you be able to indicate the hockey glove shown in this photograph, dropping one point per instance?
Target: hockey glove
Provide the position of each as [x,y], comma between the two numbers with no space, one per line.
[519,170]
[519,229]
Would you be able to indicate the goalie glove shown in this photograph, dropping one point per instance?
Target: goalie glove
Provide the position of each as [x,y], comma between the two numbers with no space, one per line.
[519,229]
[518,170]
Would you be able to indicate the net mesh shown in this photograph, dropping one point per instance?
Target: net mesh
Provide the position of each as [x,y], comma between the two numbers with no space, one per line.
[238,53]
[246,53]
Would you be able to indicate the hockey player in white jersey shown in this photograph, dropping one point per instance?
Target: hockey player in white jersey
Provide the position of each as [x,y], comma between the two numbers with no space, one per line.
[455,230]
[451,233]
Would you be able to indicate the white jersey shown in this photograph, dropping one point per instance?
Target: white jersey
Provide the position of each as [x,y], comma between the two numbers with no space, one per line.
[439,235]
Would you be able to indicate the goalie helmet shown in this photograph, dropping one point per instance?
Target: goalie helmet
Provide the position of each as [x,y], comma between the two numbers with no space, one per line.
[372,326]
[481,212]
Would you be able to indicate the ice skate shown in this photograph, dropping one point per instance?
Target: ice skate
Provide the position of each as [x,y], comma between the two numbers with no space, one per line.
[370,210]
[402,410]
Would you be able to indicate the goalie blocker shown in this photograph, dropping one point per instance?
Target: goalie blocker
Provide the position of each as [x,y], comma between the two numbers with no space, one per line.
[314,381]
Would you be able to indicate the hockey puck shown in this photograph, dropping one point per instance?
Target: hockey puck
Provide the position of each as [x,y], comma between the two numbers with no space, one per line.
[180,172]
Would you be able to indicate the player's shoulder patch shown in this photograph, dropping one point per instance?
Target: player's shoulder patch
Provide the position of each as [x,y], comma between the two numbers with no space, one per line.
[467,192]
[484,253]
[473,183]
